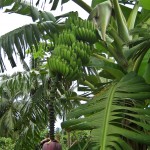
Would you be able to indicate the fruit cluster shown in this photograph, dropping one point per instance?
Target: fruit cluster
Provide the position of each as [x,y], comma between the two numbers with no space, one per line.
[72,48]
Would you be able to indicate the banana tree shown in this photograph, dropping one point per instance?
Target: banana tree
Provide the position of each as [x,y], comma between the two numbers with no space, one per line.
[19,41]
[119,52]
[28,36]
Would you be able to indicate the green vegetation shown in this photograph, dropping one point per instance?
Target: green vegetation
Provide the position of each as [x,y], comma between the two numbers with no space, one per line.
[103,61]
[6,143]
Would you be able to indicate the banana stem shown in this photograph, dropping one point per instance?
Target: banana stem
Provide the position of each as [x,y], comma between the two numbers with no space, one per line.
[80,98]
[83,5]
[51,110]
[119,58]
[102,58]
[89,84]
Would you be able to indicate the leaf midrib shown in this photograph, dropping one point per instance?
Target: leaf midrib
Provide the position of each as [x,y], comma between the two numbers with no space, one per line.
[107,115]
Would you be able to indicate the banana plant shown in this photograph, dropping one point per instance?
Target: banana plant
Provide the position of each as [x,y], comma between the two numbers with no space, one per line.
[118,115]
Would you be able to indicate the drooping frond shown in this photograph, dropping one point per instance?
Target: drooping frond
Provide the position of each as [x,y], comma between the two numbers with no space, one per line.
[17,41]
[27,9]
[23,106]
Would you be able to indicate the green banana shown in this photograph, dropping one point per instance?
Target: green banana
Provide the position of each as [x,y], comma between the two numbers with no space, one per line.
[63,67]
[92,37]
[52,67]
[68,53]
[49,64]
[79,63]
[79,33]
[58,65]
[69,76]
[71,38]
[73,62]
[86,58]
[90,25]
[66,70]
[82,54]
[75,74]
[83,45]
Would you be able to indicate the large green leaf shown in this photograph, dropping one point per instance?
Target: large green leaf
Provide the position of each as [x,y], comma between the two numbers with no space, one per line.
[145,4]
[115,114]
[114,69]
[144,63]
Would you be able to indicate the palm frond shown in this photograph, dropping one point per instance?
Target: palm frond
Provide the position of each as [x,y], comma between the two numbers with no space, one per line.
[27,9]
[23,107]
[54,3]
[7,3]
[116,113]
[19,40]
[38,2]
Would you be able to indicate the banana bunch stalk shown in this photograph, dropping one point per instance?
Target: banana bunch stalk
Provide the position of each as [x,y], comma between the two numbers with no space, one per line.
[72,49]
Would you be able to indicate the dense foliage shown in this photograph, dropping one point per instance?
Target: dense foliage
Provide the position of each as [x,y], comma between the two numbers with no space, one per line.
[105,58]
[6,143]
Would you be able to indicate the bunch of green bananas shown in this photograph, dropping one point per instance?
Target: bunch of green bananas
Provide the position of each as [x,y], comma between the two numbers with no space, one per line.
[83,51]
[86,35]
[64,61]
[72,48]
[66,38]
[84,29]
[78,22]
[68,70]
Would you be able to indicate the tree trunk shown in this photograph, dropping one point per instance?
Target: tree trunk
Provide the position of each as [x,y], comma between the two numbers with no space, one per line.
[68,139]
[53,88]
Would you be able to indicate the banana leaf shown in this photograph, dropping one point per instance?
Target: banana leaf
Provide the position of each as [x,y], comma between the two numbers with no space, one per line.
[115,114]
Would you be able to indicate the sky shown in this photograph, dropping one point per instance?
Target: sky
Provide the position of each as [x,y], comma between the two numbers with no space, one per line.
[10,22]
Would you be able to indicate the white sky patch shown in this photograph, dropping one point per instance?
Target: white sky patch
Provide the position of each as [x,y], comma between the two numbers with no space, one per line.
[10,22]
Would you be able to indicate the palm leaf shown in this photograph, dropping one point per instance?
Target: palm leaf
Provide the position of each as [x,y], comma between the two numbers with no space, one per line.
[115,115]
[22,38]
[54,3]
[27,36]
[21,107]
[27,9]
[7,3]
